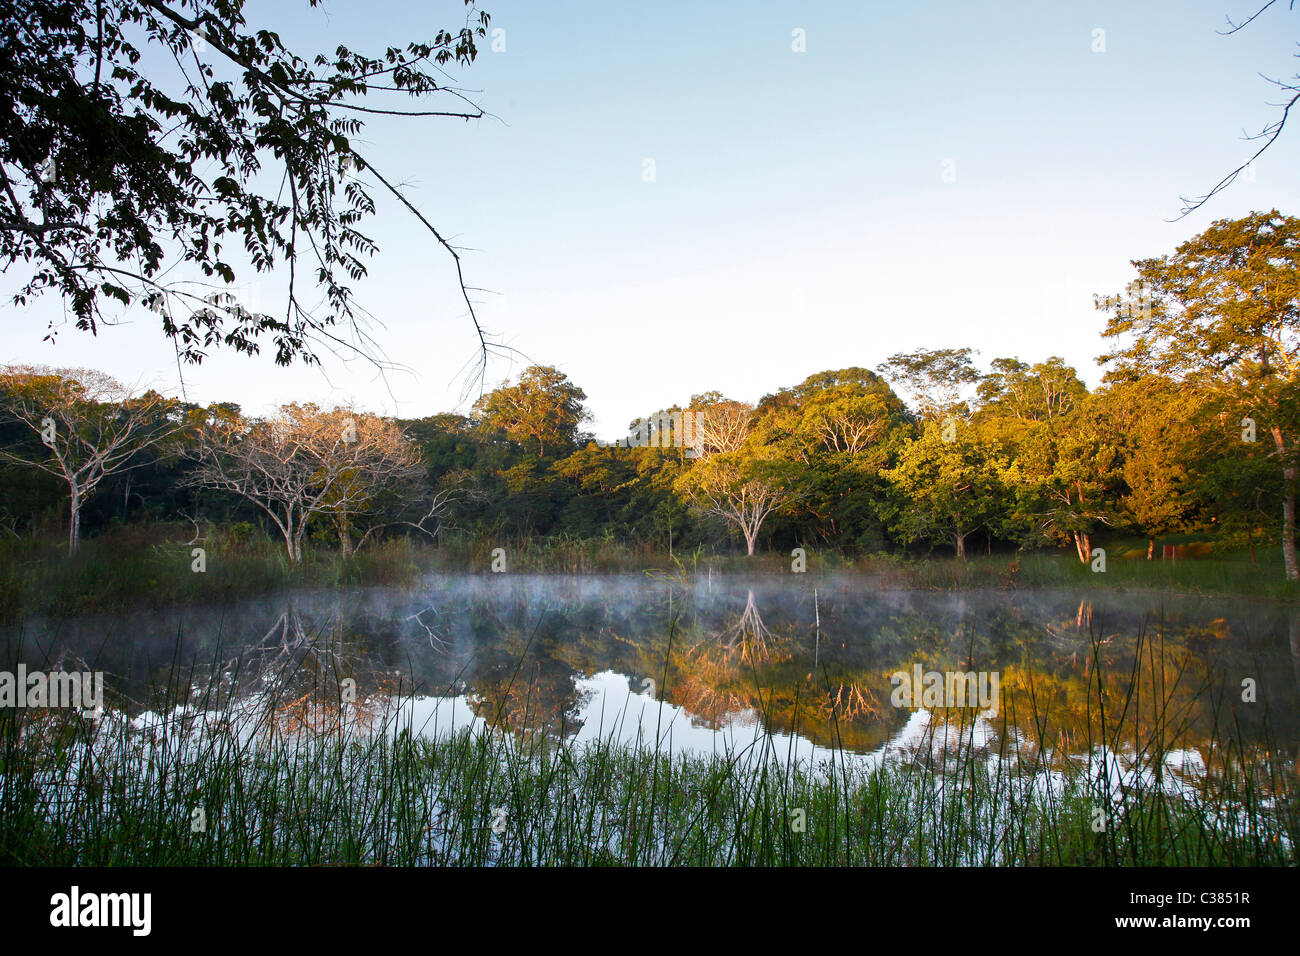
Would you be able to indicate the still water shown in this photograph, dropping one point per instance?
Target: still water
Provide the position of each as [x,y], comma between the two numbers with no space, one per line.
[813,665]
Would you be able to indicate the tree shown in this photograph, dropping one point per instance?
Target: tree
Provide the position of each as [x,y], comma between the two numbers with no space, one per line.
[842,427]
[720,424]
[947,485]
[1225,316]
[304,463]
[545,407]
[1167,435]
[934,378]
[1045,392]
[248,144]
[90,426]
[740,487]
[1064,473]
[1064,456]
[841,412]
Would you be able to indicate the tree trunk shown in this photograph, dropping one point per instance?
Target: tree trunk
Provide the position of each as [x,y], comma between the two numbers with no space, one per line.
[1288,509]
[1078,547]
[288,531]
[345,539]
[961,544]
[1288,525]
[74,520]
[1151,547]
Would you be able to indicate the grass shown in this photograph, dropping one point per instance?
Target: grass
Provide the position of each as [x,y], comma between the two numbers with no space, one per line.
[152,565]
[1126,569]
[284,778]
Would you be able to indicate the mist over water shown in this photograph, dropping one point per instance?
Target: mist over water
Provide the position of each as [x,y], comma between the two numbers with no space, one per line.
[711,663]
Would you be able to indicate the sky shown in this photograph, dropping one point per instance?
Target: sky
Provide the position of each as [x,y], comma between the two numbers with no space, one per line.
[917,175]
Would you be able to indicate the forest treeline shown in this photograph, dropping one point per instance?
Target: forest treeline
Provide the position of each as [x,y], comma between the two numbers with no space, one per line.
[1191,434]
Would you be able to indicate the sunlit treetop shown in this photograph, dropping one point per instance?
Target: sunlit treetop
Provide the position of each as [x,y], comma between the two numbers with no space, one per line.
[1224,306]
[932,378]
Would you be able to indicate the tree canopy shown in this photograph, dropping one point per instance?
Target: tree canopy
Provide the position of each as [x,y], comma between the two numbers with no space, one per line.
[1224,316]
[246,159]
[1193,433]
[543,407]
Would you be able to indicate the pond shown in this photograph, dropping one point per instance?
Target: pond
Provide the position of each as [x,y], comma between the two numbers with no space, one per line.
[811,666]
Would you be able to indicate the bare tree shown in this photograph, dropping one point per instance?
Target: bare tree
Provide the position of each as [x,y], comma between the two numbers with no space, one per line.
[720,424]
[932,378]
[846,420]
[304,463]
[91,427]
[742,492]
[432,510]
[750,635]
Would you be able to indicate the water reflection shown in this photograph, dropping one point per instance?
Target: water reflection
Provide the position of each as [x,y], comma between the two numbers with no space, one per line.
[705,664]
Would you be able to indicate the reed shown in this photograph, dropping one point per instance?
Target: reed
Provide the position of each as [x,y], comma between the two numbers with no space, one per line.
[283,778]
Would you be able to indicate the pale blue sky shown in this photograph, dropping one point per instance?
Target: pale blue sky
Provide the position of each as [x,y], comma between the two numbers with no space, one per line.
[799,219]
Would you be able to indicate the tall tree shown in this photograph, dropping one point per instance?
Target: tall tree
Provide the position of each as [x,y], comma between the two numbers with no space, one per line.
[1225,316]
[1043,392]
[841,428]
[742,488]
[1064,454]
[718,424]
[543,408]
[1064,472]
[90,427]
[933,378]
[841,412]
[113,172]
[1167,434]
[946,485]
